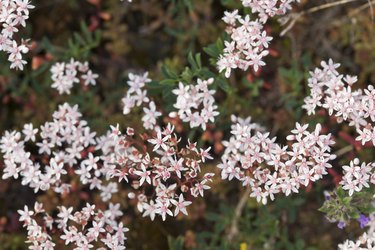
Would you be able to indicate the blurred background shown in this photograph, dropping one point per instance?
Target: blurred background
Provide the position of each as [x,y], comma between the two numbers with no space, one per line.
[157,36]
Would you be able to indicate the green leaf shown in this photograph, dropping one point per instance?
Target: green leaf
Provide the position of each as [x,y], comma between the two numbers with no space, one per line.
[223,84]
[168,73]
[205,73]
[175,243]
[168,82]
[340,193]
[198,60]
[220,44]
[187,75]
[324,208]
[195,67]
[354,214]
[212,51]
[347,200]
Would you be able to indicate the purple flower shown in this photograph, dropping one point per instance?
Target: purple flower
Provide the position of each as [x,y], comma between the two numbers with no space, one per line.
[327,196]
[341,224]
[363,220]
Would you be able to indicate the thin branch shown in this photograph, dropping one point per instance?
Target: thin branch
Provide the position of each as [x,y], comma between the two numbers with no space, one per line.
[326,6]
[356,11]
[371,9]
[233,231]
[343,151]
[294,17]
[363,7]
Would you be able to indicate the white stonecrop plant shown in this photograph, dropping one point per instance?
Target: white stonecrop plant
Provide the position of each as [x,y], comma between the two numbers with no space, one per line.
[66,146]
[65,75]
[136,96]
[13,16]
[249,42]
[84,229]
[195,103]
[163,173]
[65,143]
[267,168]
[334,92]
[357,176]
[247,46]
[268,8]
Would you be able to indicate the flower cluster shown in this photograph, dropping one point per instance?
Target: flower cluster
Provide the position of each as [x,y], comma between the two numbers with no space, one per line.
[248,39]
[333,92]
[61,142]
[65,147]
[267,168]
[268,8]
[65,75]
[83,229]
[163,178]
[247,46]
[357,176]
[195,103]
[13,14]
[136,96]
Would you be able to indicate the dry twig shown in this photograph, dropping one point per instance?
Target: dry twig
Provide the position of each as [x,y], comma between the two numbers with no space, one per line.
[292,18]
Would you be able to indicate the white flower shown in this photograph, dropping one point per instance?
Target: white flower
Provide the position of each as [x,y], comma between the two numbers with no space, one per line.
[150,116]
[65,75]
[195,103]
[165,170]
[90,78]
[13,15]
[94,228]
[181,205]
[274,169]
[247,46]
[144,174]
[356,176]
[162,209]
[25,214]
[136,95]
[332,91]
[29,132]
[159,141]
[65,214]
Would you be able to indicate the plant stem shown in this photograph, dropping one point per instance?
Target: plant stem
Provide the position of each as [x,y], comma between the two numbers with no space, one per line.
[233,231]
[344,150]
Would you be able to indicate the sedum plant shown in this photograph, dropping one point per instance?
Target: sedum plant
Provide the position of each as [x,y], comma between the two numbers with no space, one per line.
[158,169]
